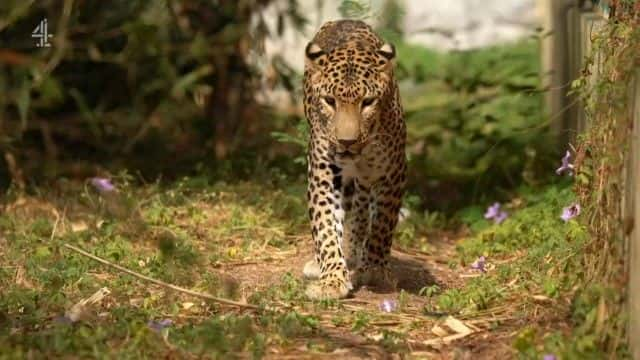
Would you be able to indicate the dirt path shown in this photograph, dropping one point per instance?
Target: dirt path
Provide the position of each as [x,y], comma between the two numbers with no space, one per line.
[414,271]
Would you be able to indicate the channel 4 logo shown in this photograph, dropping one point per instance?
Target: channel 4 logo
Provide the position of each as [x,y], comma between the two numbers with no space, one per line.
[41,33]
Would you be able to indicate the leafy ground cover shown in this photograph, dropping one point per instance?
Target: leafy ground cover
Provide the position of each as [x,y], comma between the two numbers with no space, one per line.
[510,285]
[488,289]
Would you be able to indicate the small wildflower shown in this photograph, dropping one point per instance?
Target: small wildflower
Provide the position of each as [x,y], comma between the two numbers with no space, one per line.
[494,212]
[388,305]
[570,212]
[161,327]
[566,165]
[549,357]
[479,264]
[103,185]
[502,216]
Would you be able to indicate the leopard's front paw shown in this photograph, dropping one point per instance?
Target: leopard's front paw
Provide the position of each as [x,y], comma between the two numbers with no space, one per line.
[378,277]
[328,289]
[359,277]
[311,270]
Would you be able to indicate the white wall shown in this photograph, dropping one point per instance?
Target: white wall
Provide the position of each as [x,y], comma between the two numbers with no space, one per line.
[440,24]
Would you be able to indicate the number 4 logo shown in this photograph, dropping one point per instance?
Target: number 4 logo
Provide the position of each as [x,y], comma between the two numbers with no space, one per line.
[41,33]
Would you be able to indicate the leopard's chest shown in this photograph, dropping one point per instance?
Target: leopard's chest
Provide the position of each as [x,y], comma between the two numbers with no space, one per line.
[368,167]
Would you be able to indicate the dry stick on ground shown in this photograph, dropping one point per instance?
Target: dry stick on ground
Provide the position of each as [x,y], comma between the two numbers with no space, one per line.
[162,283]
[193,293]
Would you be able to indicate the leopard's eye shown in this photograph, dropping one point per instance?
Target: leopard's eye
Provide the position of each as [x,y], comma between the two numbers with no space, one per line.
[368,101]
[330,101]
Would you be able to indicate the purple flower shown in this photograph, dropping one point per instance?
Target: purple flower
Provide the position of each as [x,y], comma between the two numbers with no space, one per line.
[549,357]
[566,166]
[479,264]
[103,185]
[570,212]
[388,305]
[159,326]
[502,215]
[494,212]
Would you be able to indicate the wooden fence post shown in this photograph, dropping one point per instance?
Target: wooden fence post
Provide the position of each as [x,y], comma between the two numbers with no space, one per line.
[590,22]
[555,64]
[568,26]
[564,51]
[633,217]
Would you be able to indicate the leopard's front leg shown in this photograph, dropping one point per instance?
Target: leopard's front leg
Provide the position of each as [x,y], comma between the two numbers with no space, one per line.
[386,202]
[327,218]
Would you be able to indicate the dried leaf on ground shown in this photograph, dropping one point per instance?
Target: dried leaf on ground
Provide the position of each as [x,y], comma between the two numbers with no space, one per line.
[81,308]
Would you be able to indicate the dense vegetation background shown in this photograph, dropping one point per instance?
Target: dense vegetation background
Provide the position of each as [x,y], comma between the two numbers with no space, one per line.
[166,88]
[201,186]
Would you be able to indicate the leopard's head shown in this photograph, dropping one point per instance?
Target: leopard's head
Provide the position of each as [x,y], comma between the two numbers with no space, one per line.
[349,82]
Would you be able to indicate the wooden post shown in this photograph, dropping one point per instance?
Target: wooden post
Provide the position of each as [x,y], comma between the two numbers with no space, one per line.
[555,65]
[632,215]
[563,57]
[589,23]
[569,27]
[575,61]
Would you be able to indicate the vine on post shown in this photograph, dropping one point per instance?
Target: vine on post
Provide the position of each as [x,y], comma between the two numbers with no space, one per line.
[602,154]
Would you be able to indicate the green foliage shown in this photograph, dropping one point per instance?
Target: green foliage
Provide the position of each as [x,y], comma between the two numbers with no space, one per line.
[190,227]
[295,325]
[430,291]
[221,336]
[470,114]
[533,228]
[390,22]
[394,342]
[299,138]
[538,224]
[361,321]
[355,9]
[478,294]
[551,266]
[602,175]
[161,78]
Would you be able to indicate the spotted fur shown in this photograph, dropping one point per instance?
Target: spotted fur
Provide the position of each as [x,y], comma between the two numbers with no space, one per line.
[356,158]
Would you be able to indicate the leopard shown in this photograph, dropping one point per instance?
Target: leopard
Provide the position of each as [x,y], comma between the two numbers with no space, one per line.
[356,158]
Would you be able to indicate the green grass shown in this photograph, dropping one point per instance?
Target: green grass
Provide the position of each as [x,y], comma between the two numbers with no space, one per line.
[469,114]
[182,232]
[537,246]
[175,234]
[536,269]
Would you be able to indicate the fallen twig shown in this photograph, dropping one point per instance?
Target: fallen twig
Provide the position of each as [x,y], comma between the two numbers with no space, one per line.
[162,283]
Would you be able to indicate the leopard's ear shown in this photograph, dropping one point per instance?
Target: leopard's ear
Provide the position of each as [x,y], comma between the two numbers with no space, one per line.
[315,56]
[388,51]
[386,61]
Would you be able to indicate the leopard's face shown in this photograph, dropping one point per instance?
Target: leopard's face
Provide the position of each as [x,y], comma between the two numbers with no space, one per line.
[346,90]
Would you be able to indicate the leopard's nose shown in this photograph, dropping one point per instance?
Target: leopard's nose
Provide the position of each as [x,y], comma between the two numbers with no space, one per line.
[346,142]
